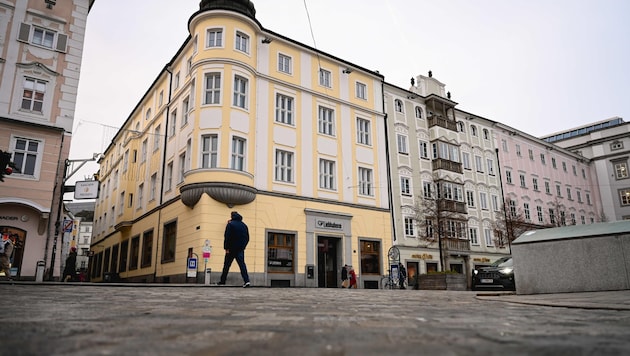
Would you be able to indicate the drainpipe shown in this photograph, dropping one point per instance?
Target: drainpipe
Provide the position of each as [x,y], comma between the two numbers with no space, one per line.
[388,165]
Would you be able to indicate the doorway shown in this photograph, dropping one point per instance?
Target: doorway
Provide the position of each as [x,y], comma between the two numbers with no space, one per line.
[18,236]
[327,262]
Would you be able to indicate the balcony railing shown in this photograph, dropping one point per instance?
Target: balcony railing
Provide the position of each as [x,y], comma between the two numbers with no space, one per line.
[435,120]
[454,206]
[440,163]
[454,245]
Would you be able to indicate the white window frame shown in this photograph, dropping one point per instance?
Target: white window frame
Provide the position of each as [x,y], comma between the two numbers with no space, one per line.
[325,78]
[474,239]
[239,148]
[488,237]
[241,42]
[209,151]
[361,90]
[366,181]
[364,133]
[424,149]
[284,109]
[326,121]
[410,230]
[212,91]
[285,63]
[33,93]
[405,186]
[29,156]
[327,174]
[401,140]
[214,37]
[284,166]
[240,92]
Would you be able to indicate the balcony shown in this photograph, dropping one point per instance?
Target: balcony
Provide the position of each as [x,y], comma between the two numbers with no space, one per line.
[436,120]
[454,245]
[445,164]
[452,206]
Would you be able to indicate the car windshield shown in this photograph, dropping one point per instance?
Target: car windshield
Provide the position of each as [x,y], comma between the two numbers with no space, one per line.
[503,262]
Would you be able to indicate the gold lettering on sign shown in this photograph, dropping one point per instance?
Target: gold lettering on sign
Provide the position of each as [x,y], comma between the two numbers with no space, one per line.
[424,256]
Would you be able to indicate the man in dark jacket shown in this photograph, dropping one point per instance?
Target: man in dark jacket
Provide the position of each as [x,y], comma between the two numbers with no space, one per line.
[236,238]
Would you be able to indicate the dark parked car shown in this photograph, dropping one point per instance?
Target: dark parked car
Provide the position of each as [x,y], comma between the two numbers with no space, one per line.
[499,275]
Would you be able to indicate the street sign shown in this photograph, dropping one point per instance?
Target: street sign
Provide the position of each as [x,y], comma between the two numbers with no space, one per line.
[67,225]
[192,267]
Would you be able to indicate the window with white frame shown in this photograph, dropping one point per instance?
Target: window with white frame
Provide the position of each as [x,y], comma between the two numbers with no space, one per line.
[483,200]
[488,236]
[553,162]
[466,160]
[542,158]
[185,110]
[168,184]
[326,121]
[366,183]
[528,216]
[490,164]
[508,177]
[552,216]
[473,130]
[327,174]
[479,164]
[535,183]
[405,186]
[242,42]
[409,228]
[209,151]
[143,152]
[284,109]
[522,179]
[461,127]
[152,186]
[284,63]
[539,212]
[564,166]
[445,151]
[284,166]
[398,105]
[140,196]
[157,138]
[588,199]
[504,145]
[558,190]
[125,161]
[424,149]
[214,37]
[569,193]
[147,116]
[427,189]
[160,101]
[547,187]
[213,88]
[402,144]
[361,90]
[531,154]
[512,207]
[518,150]
[172,127]
[176,81]
[238,153]
[240,92]
[624,197]
[621,169]
[121,203]
[33,95]
[495,203]
[470,198]
[418,112]
[27,156]
[574,170]
[43,37]
[364,131]
[472,232]
[486,134]
[182,166]
[579,196]
[325,78]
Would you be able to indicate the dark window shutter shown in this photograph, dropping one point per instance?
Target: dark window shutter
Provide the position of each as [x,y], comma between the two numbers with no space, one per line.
[62,40]
[25,31]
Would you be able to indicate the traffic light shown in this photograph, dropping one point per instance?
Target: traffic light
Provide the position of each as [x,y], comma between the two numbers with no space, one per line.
[6,166]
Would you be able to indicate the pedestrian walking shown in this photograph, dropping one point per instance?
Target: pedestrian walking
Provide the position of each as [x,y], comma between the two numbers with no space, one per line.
[70,270]
[6,249]
[353,277]
[235,241]
[344,276]
[402,275]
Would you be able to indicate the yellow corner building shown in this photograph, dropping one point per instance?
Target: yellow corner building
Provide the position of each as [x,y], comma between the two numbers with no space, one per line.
[244,119]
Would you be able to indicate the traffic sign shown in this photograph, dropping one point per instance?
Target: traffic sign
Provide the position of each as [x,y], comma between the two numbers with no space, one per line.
[192,267]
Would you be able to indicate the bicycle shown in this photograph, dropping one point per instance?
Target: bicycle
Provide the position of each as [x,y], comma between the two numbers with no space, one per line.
[388,282]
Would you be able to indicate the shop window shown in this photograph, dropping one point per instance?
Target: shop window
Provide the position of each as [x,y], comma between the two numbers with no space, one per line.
[280,252]
[134,253]
[147,248]
[168,242]
[370,257]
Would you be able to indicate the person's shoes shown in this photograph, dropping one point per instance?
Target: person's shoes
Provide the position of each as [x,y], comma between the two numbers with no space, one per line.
[246,285]
[219,284]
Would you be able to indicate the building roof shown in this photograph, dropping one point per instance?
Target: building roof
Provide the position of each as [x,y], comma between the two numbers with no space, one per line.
[574,231]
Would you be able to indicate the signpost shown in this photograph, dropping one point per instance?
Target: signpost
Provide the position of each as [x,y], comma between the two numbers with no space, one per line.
[207,251]
[192,267]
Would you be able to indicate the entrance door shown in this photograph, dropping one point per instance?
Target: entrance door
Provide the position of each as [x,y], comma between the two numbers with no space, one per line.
[18,236]
[327,248]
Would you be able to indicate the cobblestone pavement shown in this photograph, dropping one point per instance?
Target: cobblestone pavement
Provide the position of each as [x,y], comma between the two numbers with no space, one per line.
[88,319]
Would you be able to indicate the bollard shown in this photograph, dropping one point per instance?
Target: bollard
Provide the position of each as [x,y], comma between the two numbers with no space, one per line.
[39,271]
[207,280]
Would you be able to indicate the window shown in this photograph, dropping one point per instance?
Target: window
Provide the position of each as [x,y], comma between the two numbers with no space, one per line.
[240,92]
[542,158]
[574,170]
[409,228]
[156,138]
[569,194]
[495,203]
[564,166]
[33,95]
[470,198]
[182,166]
[486,134]
[147,249]
[621,170]
[518,150]
[616,145]
[213,88]
[473,130]
[427,190]
[579,196]
[535,183]
[42,37]
[624,197]
[366,184]
[398,105]
[238,153]
[461,127]
[27,155]
[284,109]
[152,186]
[370,257]
[172,126]
[488,236]
[185,110]
[168,185]
[531,154]
[553,162]
[284,63]
[134,252]
[508,177]
[483,200]
[140,196]
[539,212]
[214,38]
[552,216]
[424,149]
[363,131]
[242,42]
[327,174]
[583,173]
[160,102]
[405,186]
[547,188]
[478,164]
[528,216]
[121,203]
[284,166]
[522,179]
[209,151]
[326,121]
[147,116]
[361,90]
[445,151]
[473,236]
[466,160]
[176,81]
[124,251]
[126,161]
[169,241]
[558,190]
[402,144]
[490,164]
[418,112]
[325,78]
[512,207]
[143,151]
[280,252]
[504,145]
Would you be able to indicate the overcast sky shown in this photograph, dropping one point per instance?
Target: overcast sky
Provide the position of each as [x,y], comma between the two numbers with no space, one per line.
[539,66]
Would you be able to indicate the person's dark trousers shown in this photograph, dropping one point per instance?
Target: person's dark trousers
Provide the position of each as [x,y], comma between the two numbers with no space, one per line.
[240,259]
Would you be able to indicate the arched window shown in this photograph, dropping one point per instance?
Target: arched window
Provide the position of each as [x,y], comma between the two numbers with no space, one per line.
[418,112]
[148,116]
[473,130]
[486,134]
[460,126]
[398,105]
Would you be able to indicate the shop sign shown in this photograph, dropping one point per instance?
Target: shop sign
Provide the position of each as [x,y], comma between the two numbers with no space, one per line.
[332,225]
[424,256]
[86,189]
[481,259]
[8,217]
